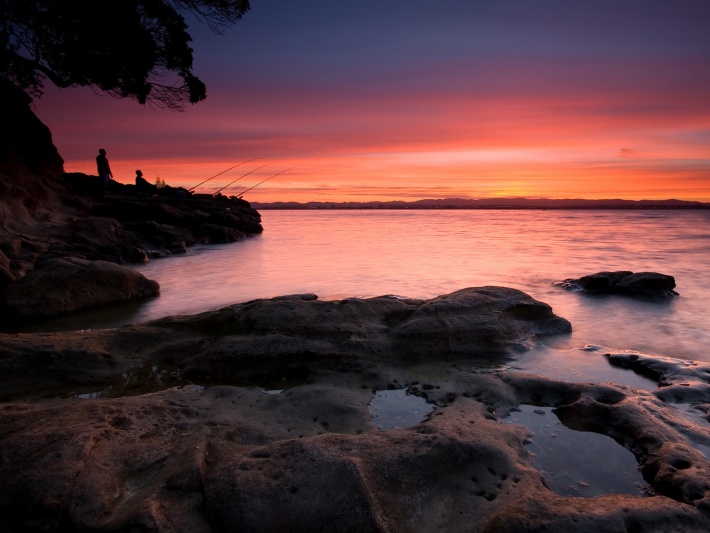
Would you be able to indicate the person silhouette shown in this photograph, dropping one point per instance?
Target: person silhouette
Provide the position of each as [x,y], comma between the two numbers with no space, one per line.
[142,184]
[104,168]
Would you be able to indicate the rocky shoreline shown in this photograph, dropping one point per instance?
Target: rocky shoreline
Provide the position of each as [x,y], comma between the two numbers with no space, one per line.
[73,254]
[210,450]
[59,230]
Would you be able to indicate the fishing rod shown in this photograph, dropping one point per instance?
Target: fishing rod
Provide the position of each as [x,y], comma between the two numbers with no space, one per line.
[219,174]
[240,177]
[264,181]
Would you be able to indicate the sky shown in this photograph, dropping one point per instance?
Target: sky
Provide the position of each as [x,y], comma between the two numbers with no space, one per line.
[404,100]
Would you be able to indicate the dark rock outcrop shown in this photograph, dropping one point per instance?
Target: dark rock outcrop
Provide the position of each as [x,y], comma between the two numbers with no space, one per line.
[162,225]
[244,341]
[48,215]
[60,286]
[29,165]
[145,228]
[125,227]
[6,277]
[645,284]
[25,142]
[228,456]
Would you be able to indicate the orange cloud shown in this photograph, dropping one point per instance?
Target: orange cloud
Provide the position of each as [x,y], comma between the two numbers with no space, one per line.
[540,130]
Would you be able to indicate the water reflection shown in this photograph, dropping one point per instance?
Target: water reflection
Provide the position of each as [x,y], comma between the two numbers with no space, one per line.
[114,316]
[397,409]
[144,380]
[577,463]
[578,365]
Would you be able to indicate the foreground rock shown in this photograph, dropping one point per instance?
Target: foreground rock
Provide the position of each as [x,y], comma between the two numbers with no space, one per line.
[247,341]
[645,284]
[230,457]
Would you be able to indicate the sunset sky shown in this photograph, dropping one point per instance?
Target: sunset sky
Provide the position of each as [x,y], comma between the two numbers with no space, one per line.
[403,100]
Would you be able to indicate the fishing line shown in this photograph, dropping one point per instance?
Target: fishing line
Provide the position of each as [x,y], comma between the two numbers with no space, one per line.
[219,174]
[264,181]
[240,177]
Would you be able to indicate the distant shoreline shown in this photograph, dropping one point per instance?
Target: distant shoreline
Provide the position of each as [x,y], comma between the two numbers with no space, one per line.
[498,204]
[264,207]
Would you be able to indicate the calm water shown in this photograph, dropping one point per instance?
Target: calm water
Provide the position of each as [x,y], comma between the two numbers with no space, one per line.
[557,450]
[423,254]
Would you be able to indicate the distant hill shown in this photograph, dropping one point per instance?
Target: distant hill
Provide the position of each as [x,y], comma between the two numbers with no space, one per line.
[492,203]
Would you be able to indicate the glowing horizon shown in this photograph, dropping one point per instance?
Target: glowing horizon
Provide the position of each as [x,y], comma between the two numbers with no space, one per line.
[552,108]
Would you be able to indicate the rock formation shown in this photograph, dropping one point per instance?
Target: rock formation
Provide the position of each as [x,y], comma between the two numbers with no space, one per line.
[644,284]
[179,435]
[244,341]
[48,215]
[64,285]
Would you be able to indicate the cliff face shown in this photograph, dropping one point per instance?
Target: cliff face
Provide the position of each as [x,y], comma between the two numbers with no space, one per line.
[25,141]
[30,165]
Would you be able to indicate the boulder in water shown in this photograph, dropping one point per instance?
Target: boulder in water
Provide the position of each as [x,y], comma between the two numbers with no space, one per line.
[647,284]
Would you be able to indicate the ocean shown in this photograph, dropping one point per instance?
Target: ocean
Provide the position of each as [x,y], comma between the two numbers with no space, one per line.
[425,253]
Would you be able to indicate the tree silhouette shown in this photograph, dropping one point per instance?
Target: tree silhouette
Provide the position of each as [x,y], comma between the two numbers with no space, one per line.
[127,48]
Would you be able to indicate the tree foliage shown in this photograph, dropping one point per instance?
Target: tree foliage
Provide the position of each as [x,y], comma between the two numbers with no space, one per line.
[127,48]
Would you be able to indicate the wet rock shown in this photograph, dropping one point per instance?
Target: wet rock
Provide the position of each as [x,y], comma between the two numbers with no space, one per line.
[265,336]
[665,370]
[90,231]
[6,276]
[216,233]
[200,219]
[190,458]
[67,285]
[105,239]
[485,323]
[159,240]
[647,284]
[205,460]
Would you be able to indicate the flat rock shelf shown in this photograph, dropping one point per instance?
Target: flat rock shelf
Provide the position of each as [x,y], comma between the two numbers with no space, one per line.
[258,417]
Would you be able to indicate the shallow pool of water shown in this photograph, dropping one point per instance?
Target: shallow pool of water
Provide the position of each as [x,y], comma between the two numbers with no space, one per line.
[143,380]
[397,409]
[578,365]
[578,463]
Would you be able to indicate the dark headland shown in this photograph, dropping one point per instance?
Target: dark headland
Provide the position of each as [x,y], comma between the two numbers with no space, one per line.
[255,417]
[66,241]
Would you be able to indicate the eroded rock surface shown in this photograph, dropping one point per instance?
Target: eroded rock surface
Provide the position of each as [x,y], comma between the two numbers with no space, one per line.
[644,284]
[252,339]
[214,452]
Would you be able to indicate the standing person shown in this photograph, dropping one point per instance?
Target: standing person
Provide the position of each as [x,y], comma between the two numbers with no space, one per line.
[103,167]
